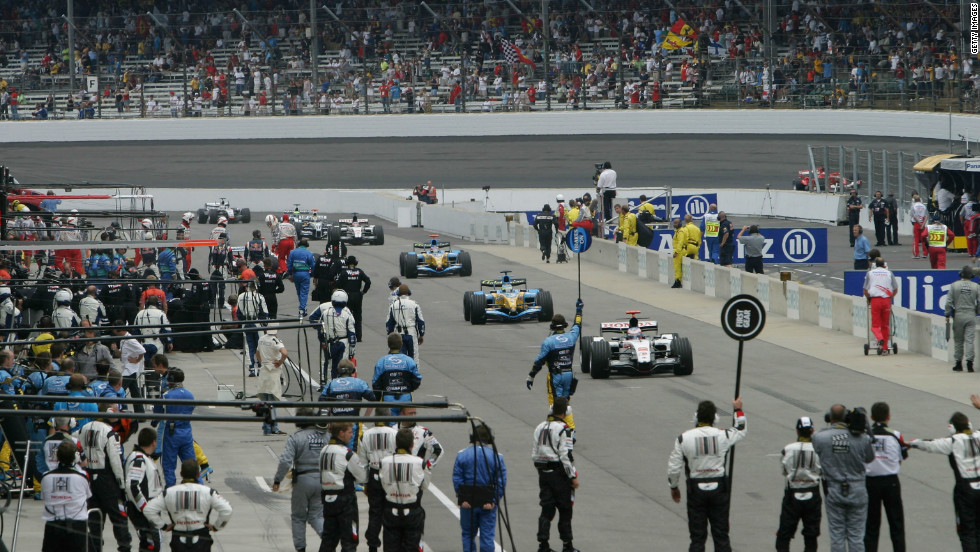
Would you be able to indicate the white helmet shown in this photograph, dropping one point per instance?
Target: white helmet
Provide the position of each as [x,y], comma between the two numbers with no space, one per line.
[270,220]
[339,296]
[147,223]
[4,291]
[188,217]
[559,197]
[634,332]
[62,297]
[72,221]
[222,221]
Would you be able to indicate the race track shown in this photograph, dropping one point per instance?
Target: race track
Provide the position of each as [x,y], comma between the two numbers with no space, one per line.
[691,161]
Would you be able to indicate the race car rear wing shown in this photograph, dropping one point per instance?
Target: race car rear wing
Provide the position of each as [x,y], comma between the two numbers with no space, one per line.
[418,245]
[621,327]
[351,221]
[499,283]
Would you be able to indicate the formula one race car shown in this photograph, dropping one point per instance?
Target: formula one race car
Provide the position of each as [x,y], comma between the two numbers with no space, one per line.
[357,231]
[434,260]
[309,224]
[635,349]
[508,300]
[806,182]
[212,210]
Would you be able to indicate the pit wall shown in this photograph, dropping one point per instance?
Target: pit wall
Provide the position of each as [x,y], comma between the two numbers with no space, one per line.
[914,331]
[937,126]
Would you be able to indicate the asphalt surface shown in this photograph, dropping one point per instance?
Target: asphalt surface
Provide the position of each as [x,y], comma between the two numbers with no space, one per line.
[693,161]
[626,427]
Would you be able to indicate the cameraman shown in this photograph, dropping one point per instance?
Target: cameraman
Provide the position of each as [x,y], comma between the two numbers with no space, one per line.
[844,447]
[605,187]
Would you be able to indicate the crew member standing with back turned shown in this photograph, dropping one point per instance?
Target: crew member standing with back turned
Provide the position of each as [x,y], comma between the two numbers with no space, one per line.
[558,352]
[680,251]
[884,488]
[356,283]
[963,304]
[557,476]
[936,237]
[801,501]
[880,285]
[702,453]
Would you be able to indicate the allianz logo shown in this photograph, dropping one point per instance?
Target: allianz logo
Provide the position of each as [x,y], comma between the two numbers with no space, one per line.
[826,307]
[793,298]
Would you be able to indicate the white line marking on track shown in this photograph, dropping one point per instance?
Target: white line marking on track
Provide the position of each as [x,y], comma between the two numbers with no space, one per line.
[272,453]
[262,484]
[454,509]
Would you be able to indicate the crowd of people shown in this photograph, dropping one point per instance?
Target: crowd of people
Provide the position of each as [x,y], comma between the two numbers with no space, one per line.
[829,50]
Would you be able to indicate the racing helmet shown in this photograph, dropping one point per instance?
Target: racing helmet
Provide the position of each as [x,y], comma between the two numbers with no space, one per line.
[188,217]
[62,297]
[559,198]
[339,298]
[222,221]
[634,332]
[147,223]
[270,220]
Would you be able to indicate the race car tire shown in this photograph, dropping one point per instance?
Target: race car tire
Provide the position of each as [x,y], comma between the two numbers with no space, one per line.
[411,266]
[333,235]
[478,309]
[465,263]
[599,361]
[212,216]
[202,216]
[585,346]
[401,263]
[245,216]
[467,303]
[379,235]
[547,306]
[685,354]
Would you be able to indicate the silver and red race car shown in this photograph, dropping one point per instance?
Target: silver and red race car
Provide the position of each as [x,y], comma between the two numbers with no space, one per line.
[634,348]
[357,231]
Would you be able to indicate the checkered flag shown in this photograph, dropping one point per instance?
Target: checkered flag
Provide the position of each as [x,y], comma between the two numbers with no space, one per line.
[514,55]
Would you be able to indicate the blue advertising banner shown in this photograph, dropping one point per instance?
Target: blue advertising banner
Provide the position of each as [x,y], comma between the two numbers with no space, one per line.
[694,205]
[918,290]
[783,245]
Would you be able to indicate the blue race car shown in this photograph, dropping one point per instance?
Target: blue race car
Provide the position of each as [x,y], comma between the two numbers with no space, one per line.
[507,300]
[434,260]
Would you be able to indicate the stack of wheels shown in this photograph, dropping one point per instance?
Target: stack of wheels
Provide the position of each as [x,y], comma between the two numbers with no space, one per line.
[478,308]
[585,349]
[408,265]
[685,354]
[465,263]
[547,307]
[599,356]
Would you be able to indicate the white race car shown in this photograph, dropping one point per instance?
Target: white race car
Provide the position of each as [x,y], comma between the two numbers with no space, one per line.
[357,231]
[634,348]
[222,208]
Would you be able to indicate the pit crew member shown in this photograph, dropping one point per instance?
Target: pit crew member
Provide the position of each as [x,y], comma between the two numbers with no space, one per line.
[558,351]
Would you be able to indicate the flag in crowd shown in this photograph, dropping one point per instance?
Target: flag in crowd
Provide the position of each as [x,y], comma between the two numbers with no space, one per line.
[681,35]
[514,54]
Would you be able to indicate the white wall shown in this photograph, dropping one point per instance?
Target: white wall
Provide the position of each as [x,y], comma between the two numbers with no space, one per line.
[556,123]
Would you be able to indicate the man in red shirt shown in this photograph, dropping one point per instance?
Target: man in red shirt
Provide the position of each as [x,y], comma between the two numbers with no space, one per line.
[385,91]
[454,96]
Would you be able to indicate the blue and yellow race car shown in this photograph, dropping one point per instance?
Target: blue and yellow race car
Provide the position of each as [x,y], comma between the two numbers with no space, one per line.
[507,300]
[435,260]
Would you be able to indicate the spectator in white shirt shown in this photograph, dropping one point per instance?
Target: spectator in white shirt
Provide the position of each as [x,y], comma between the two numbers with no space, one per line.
[131,353]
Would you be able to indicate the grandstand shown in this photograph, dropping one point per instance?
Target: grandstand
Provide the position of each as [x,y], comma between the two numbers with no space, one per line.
[603,55]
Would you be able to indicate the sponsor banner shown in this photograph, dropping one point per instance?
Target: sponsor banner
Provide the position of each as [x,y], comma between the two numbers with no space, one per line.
[783,245]
[918,290]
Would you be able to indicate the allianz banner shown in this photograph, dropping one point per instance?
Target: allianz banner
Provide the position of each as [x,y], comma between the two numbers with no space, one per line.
[783,245]
[918,290]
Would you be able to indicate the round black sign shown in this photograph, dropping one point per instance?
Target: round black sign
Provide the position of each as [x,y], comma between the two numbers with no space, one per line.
[743,317]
